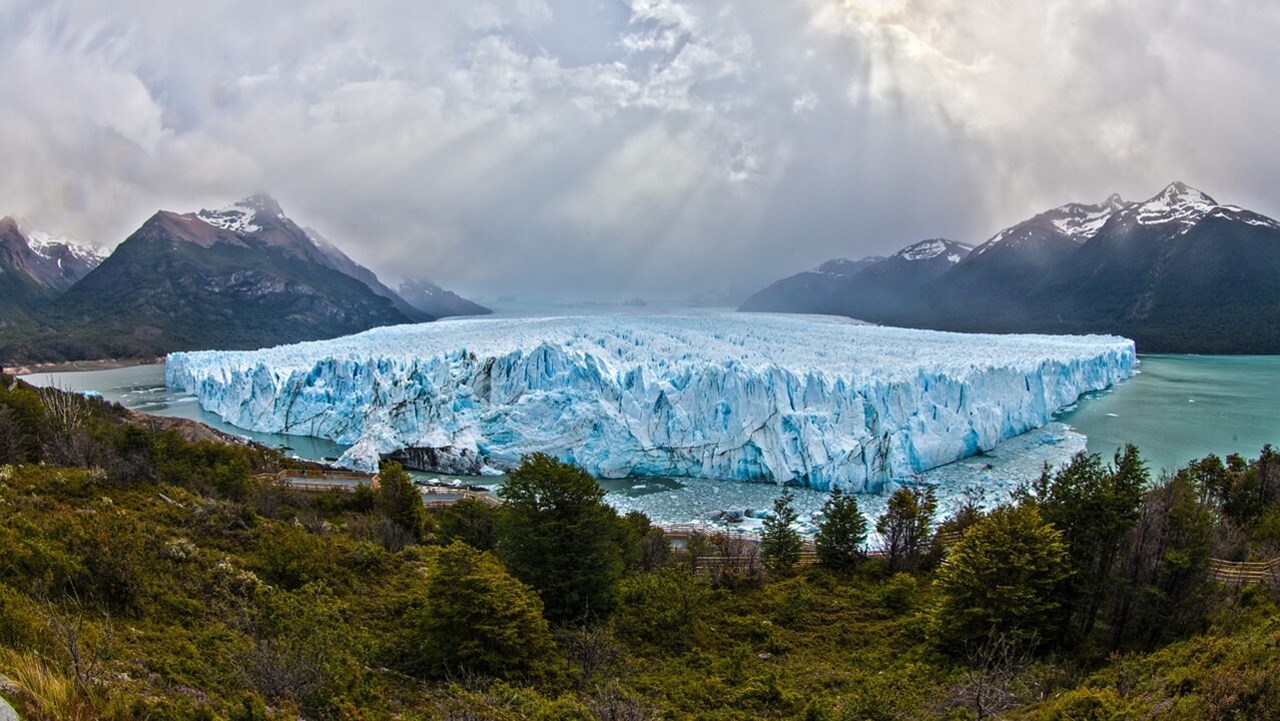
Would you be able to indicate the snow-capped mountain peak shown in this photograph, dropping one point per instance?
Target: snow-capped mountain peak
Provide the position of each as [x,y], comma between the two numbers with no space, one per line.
[1177,203]
[1080,221]
[237,218]
[263,203]
[929,249]
[50,246]
[1075,221]
[240,216]
[52,261]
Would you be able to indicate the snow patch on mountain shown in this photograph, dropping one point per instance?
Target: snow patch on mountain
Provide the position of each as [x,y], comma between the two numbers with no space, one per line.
[1080,221]
[929,249]
[1076,221]
[1177,203]
[1235,212]
[49,246]
[237,217]
[740,396]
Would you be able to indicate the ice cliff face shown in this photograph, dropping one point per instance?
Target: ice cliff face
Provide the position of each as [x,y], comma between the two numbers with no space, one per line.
[734,396]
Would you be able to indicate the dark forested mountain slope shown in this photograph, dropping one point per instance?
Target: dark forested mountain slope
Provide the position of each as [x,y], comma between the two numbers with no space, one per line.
[239,277]
[812,291]
[1179,272]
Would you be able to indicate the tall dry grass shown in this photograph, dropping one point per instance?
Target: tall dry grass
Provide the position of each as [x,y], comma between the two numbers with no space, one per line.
[45,694]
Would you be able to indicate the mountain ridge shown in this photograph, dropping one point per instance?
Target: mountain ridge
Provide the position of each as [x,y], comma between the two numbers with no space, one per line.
[1178,272]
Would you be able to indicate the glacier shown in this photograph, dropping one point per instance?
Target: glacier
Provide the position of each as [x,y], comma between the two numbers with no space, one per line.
[815,400]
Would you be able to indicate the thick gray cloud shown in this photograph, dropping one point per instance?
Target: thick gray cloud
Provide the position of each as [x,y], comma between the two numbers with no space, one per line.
[612,148]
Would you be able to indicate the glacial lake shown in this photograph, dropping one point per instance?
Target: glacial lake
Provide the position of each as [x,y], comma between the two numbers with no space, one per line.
[1177,408]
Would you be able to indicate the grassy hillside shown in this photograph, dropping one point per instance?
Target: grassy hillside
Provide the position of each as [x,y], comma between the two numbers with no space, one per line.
[144,575]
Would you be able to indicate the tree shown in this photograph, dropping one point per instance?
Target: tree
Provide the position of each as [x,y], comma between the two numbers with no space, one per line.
[558,536]
[1094,507]
[644,545]
[780,544]
[1001,581]
[841,533]
[399,501]
[906,525]
[476,619]
[1165,567]
[471,521]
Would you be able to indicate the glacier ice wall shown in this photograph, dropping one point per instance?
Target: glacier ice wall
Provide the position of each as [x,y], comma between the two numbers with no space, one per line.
[819,400]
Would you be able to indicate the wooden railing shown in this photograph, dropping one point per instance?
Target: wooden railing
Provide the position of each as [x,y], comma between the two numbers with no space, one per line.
[1242,572]
[315,480]
[457,493]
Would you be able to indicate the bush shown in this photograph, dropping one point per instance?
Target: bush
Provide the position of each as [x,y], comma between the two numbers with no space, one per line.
[476,619]
[399,501]
[1001,581]
[663,609]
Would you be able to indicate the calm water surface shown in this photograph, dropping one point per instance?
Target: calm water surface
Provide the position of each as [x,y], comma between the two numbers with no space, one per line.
[1182,407]
[141,388]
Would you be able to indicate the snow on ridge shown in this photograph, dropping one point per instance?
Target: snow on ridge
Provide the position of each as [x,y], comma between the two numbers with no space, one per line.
[46,244]
[237,218]
[927,249]
[1177,203]
[844,267]
[1235,212]
[774,397]
[1080,221]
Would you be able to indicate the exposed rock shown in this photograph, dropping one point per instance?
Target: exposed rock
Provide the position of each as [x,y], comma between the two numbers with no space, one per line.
[446,459]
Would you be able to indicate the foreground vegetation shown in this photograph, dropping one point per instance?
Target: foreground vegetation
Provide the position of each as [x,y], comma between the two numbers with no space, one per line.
[144,575]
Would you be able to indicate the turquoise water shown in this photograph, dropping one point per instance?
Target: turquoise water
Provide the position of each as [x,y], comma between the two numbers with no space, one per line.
[1182,407]
[141,388]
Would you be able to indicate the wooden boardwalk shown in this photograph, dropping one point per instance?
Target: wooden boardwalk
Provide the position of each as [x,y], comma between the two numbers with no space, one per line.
[449,496]
[315,480]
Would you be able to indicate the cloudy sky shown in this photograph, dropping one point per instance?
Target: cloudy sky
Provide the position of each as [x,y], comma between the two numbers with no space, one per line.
[602,149]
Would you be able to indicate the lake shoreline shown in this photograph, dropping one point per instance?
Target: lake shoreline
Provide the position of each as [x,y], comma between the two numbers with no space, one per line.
[101,364]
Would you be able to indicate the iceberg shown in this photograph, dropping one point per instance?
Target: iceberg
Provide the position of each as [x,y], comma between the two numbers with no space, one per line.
[819,401]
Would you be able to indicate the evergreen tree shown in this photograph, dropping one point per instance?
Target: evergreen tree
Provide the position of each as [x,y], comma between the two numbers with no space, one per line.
[1001,582]
[1094,507]
[557,535]
[906,526]
[780,544]
[399,501]
[476,619]
[842,532]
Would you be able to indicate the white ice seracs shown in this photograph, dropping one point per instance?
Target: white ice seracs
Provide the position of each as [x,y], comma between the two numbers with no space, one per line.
[735,396]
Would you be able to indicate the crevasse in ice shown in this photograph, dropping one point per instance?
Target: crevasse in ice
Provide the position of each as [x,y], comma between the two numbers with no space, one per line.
[819,400]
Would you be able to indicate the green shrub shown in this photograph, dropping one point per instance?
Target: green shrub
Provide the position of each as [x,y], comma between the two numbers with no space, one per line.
[663,609]
[476,619]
